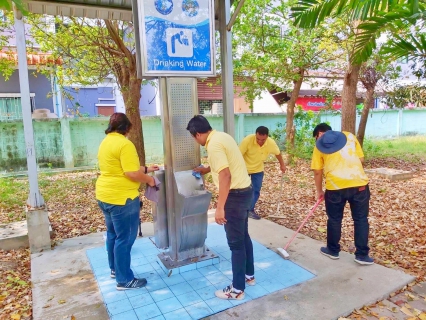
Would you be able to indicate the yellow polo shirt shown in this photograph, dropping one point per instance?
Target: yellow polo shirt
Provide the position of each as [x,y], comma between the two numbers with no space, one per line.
[342,169]
[222,151]
[254,155]
[117,155]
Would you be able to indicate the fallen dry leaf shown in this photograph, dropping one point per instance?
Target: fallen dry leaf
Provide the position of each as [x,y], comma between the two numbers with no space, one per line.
[407,312]
[397,218]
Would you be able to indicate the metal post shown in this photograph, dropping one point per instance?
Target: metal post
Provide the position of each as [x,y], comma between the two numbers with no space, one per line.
[136,33]
[227,68]
[35,200]
[168,166]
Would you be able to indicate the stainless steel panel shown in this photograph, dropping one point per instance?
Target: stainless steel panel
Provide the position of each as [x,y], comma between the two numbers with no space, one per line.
[168,165]
[183,105]
[186,200]
[159,213]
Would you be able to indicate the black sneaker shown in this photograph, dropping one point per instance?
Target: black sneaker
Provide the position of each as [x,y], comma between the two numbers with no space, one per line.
[365,260]
[133,284]
[112,274]
[253,215]
[325,251]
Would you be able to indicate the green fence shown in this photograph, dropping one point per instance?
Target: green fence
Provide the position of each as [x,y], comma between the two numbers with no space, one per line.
[74,142]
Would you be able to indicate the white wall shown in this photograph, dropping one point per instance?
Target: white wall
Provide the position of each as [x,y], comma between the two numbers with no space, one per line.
[266,104]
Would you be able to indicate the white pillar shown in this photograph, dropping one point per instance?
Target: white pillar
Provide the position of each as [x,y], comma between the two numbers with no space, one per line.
[227,68]
[119,101]
[35,200]
[399,124]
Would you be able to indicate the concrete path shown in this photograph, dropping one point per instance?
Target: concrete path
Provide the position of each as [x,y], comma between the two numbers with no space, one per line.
[64,285]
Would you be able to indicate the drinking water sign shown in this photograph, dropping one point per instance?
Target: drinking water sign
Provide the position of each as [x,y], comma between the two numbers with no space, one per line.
[177,37]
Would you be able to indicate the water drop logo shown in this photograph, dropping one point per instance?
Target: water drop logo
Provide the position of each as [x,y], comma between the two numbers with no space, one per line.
[164,6]
[190,7]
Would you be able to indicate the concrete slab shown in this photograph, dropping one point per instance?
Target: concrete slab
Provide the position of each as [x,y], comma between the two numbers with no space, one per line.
[339,286]
[15,235]
[391,174]
[189,293]
[63,282]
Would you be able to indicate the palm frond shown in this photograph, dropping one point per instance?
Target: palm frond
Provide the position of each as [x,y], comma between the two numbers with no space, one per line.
[310,13]
[365,41]
[411,48]
[7,5]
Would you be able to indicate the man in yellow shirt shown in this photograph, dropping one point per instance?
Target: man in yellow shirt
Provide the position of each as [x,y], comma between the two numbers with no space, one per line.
[255,149]
[338,157]
[235,193]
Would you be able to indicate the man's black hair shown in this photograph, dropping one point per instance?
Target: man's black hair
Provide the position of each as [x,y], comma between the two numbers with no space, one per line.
[322,127]
[262,130]
[198,124]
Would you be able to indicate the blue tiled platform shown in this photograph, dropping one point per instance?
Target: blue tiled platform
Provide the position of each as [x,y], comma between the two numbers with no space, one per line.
[190,294]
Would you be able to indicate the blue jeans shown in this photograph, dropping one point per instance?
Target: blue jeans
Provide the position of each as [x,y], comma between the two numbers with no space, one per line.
[236,228]
[335,201]
[256,181]
[122,227]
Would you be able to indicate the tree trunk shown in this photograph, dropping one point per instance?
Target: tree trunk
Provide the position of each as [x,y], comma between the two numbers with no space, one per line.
[349,98]
[125,71]
[131,97]
[368,105]
[290,130]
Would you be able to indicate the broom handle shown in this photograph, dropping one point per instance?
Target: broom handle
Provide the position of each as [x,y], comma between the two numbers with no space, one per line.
[303,222]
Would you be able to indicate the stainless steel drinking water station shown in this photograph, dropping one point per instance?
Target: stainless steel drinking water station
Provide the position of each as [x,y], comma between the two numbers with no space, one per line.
[180,216]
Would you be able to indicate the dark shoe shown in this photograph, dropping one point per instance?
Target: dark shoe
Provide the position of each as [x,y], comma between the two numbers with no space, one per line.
[112,274]
[134,284]
[253,215]
[365,260]
[325,251]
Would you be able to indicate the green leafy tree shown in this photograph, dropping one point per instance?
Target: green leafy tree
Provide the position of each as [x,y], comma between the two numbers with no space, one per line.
[402,96]
[92,50]
[7,5]
[7,64]
[373,17]
[273,54]
[369,19]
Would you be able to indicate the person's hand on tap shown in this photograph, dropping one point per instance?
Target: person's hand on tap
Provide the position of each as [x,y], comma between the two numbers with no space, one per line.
[201,169]
[152,168]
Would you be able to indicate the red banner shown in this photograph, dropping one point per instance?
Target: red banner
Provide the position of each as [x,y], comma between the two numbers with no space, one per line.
[316,103]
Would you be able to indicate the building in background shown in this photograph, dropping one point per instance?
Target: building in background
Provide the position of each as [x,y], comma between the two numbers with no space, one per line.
[210,97]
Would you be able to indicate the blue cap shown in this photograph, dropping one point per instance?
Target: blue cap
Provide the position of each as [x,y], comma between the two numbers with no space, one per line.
[331,142]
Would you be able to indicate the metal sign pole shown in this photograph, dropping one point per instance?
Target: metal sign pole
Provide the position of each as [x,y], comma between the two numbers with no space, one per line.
[35,200]
[227,68]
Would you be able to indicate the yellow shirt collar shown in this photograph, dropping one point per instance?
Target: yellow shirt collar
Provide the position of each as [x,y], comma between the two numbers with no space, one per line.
[209,136]
[255,142]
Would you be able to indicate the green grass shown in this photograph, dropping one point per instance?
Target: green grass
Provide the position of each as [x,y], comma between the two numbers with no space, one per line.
[59,188]
[405,148]
[12,192]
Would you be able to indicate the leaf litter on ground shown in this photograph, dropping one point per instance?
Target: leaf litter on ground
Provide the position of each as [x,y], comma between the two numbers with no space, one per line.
[397,219]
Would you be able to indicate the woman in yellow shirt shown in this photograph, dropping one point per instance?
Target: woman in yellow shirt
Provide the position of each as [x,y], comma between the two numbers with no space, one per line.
[117,192]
